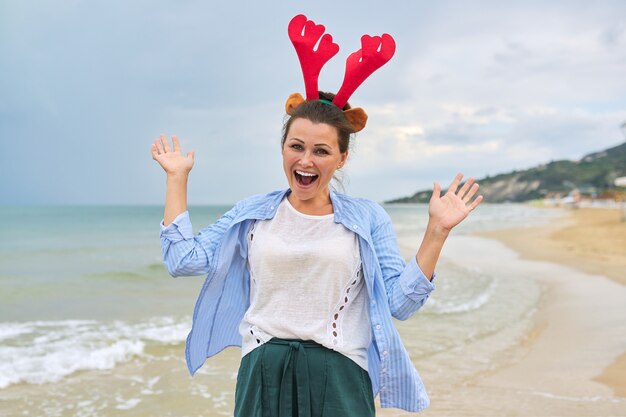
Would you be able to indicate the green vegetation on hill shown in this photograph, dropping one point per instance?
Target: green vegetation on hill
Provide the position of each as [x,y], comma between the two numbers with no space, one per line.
[595,173]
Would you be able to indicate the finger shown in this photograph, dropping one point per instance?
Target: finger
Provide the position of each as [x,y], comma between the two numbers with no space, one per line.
[455,183]
[176,143]
[166,144]
[471,193]
[476,202]
[159,145]
[465,187]
[436,191]
[154,150]
[191,155]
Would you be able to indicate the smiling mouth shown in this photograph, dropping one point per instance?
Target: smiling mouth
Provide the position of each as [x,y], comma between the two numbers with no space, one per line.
[305,178]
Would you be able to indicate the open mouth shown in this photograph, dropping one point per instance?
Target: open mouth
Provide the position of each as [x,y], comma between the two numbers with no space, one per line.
[305,178]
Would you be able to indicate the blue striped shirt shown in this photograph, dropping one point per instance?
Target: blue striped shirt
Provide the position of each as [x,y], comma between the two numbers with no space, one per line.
[395,288]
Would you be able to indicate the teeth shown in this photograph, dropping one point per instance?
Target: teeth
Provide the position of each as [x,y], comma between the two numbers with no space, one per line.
[305,174]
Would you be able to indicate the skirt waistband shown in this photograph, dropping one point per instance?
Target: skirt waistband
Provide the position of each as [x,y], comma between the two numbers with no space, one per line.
[294,343]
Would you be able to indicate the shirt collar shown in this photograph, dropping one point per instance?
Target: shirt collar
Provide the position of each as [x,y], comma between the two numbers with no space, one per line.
[273,203]
[337,206]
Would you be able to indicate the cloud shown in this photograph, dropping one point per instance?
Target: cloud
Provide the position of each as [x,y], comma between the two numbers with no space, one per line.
[481,88]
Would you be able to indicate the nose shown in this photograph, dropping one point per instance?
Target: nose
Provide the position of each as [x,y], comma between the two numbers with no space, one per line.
[306,159]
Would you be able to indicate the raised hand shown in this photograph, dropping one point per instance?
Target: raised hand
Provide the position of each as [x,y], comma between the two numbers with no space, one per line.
[172,160]
[450,209]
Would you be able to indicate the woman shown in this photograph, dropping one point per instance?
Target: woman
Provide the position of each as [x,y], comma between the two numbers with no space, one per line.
[307,279]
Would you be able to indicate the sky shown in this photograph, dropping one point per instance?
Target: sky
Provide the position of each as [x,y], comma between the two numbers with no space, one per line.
[480,87]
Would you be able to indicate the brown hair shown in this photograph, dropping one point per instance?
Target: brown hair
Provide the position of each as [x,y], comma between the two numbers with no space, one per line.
[317,111]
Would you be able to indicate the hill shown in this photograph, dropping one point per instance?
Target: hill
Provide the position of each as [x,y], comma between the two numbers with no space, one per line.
[594,173]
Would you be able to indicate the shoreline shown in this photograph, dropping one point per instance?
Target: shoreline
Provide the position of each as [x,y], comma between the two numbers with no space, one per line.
[592,240]
[566,355]
[588,240]
[556,347]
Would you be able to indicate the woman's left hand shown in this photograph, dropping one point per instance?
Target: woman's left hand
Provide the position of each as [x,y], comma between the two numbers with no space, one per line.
[448,210]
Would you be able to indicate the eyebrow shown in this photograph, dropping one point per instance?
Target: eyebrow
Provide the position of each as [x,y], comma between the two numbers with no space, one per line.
[317,144]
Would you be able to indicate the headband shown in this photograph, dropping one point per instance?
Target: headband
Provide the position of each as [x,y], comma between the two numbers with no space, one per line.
[375,52]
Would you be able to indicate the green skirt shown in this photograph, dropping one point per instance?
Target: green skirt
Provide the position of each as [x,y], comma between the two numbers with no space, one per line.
[295,378]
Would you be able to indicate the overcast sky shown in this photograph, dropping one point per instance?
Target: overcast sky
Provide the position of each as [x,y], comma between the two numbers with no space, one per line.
[477,87]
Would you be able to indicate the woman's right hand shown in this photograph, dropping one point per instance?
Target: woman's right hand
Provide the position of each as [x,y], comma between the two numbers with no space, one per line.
[172,161]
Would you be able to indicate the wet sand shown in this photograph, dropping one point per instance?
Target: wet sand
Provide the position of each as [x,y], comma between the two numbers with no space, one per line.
[589,239]
[575,362]
[568,356]
[564,356]
[551,367]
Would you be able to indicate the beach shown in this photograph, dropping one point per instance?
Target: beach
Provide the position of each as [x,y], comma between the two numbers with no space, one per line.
[591,240]
[96,326]
[571,360]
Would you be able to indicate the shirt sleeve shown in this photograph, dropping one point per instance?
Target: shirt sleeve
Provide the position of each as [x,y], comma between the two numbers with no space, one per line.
[179,229]
[185,254]
[411,291]
[406,285]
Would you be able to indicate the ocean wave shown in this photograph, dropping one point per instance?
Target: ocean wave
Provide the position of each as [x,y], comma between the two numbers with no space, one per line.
[11,332]
[156,266]
[40,352]
[595,398]
[118,276]
[463,301]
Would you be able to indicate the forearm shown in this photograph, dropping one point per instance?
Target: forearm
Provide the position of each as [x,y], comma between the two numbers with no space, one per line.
[175,197]
[430,249]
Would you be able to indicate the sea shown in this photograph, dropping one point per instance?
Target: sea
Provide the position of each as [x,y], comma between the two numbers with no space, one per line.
[91,324]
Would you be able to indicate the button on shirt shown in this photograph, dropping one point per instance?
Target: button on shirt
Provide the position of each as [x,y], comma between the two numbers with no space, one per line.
[395,288]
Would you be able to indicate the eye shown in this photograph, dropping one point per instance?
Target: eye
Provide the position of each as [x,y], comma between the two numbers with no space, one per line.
[321,151]
[296,146]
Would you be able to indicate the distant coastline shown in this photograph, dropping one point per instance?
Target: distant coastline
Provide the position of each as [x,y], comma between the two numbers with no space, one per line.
[592,177]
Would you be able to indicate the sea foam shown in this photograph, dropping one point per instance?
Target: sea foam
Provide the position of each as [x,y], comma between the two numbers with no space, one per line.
[41,352]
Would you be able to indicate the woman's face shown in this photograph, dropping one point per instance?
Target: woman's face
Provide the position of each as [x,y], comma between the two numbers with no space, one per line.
[310,157]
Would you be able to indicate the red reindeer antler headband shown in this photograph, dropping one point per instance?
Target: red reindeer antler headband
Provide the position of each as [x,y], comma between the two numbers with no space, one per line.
[374,53]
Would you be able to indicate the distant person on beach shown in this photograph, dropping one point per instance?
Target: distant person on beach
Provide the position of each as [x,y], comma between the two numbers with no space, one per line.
[306,279]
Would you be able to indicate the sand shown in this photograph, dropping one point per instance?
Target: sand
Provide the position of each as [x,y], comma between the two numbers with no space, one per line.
[568,356]
[558,366]
[589,239]
[579,340]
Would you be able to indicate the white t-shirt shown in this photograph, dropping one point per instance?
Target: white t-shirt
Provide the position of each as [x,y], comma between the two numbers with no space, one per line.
[306,283]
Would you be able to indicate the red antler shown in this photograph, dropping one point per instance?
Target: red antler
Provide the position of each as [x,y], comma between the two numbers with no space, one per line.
[374,53]
[304,35]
